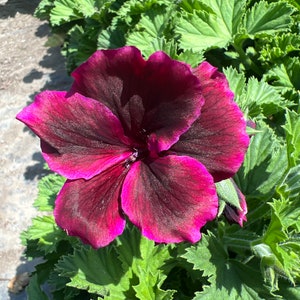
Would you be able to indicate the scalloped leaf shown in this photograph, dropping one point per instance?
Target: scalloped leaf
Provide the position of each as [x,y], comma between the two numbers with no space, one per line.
[261,97]
[264,165]
[265,18]
[273,50]
[229,278]
[290,187]
[236,80]
[292,131]
[255,97]
[146,260]
[112,37]
[44,9]
[46,232]
[279,236]
[65,11]
[286,74]
[48,187]
[149,32]
[97,271]
[130,268]
[81,45]
[214,28]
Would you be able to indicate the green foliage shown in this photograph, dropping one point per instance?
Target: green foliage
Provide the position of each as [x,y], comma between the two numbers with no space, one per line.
[264,18]
[257,98]
[229,278]
[257,45]
[286,74]
[292,131]
[264,165]
[49,186]
[214,26]
[115,272]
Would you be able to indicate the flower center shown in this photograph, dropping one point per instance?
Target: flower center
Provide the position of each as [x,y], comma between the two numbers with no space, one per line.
[137,154]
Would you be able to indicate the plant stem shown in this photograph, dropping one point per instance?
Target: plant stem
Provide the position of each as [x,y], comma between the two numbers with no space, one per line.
[247,61]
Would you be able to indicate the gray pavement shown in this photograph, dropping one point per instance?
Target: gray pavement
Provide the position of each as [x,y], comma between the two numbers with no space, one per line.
[26,68]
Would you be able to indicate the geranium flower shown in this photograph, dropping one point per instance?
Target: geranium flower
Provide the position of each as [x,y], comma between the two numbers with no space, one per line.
[139,138]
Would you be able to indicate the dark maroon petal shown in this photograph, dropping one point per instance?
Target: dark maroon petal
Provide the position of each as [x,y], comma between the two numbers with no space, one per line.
[218,138]
[90,209]
[173,100]
[159,97]
[170,198]
[80,136]
[113,77]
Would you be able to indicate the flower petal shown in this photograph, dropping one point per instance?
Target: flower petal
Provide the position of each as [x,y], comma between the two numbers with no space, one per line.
[90,209]
[170,198]
[174,100]
[218,137]
[159,96]
[80,136]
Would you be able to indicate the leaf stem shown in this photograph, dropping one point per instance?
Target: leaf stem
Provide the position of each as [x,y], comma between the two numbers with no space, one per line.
[234,242]
[247,61]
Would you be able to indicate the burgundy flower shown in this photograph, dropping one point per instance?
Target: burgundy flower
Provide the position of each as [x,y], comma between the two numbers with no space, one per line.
[141,138]
[237,214]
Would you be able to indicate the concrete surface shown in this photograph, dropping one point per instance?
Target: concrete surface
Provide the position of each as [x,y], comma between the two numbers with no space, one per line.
[26,68]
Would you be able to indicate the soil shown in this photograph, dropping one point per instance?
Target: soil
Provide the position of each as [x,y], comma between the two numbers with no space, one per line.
[27,67]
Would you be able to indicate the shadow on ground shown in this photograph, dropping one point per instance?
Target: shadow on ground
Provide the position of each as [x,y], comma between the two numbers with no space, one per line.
[51,72]
[11,7]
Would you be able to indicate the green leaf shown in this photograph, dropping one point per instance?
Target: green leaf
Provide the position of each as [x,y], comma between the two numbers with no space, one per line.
[65,11]
[229,278]
[292,131]
[255,97]
[227,193]
[146,261]
[206,255]
[261,97]
[34,290]
[236,80]
[131,10]
[191,5]
[290,187]
[190,57]
[279,236]
[265,18]
[288,210]
[287,291]
[214,28]
[148,34]
[48,187]
[286,74]
[111,37]
[44,8]
[97,271]
[81,45]
[278,47]
[129,268]
[264,165]
[235,280]
[46,232]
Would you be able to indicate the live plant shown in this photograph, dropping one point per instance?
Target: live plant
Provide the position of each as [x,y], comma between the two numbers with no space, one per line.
[251,248]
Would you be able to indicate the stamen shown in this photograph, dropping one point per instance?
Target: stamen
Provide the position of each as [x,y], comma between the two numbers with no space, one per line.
[137,154]
[132,158]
